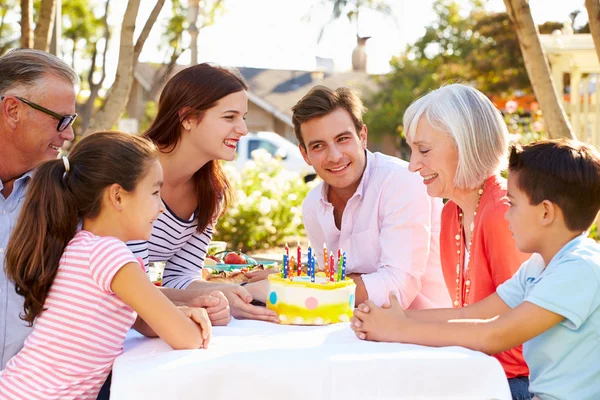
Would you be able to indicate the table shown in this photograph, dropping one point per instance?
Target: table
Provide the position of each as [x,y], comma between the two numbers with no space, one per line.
[259,360]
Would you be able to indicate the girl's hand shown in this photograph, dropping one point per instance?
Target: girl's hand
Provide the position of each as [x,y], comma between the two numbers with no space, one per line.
[200,317]
[380,324]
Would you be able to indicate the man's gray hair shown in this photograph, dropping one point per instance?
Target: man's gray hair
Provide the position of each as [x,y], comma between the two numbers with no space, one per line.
[474,123]
[24,67]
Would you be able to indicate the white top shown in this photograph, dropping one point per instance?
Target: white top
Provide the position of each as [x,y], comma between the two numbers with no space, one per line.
[177,243]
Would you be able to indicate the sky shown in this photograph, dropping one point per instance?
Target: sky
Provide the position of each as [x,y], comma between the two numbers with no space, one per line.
[277,34]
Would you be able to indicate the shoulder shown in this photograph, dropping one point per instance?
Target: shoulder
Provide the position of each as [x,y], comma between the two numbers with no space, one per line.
[494,203]
[583,259]
[393,173]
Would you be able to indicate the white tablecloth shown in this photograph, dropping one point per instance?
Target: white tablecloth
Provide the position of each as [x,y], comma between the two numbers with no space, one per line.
[259,360]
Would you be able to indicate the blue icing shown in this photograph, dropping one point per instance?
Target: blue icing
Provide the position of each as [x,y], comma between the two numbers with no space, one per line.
[352,300]
[273,298]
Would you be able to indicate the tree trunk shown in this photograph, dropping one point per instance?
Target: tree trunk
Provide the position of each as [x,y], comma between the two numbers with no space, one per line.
[116,100]
[538,69]
[593,10]
[26,22]
[43,28]
[86,110]
[139,44]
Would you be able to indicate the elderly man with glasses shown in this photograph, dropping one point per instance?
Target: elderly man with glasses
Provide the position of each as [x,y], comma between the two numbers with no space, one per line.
[37,109]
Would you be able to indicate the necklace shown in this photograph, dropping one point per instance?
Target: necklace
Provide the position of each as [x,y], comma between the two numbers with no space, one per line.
[464,275]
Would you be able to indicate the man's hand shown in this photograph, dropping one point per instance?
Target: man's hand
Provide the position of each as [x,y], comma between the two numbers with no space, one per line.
[216,305]
[239,302]
[380,324]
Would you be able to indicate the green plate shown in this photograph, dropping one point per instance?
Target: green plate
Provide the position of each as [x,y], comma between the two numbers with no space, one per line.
[229,267]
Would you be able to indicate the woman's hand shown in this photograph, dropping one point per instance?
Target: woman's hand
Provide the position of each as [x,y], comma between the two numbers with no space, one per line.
[216,305]
[240,299]
[259,275]
[200,317]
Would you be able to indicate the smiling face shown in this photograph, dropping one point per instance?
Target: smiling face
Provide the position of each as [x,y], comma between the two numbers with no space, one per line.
[335,149]
[142,206]
[38,139]
[522,217]
[434,156]
[218,132]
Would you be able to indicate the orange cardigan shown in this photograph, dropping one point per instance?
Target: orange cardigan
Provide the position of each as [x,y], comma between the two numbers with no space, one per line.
[494,257]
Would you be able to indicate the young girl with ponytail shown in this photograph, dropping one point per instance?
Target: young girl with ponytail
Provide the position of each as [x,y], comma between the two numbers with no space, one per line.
[83,287]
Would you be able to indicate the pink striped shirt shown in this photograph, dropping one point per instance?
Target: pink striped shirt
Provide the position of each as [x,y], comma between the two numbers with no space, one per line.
[81,331]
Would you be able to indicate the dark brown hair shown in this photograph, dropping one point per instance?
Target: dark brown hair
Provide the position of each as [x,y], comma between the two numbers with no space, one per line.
[321,101]
[57,200]
[565,172]
[198,88]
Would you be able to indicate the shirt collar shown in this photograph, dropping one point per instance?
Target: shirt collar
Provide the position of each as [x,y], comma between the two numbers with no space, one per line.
[370,161]
[568,247]
[25,177]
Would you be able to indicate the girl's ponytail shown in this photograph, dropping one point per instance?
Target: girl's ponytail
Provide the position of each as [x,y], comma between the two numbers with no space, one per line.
[62,193]
[47,222]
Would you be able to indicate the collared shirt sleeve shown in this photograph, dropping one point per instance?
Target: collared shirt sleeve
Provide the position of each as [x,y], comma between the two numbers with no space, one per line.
[405,238]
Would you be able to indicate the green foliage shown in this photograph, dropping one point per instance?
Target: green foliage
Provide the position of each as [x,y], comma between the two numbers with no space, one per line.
[9,29]
[594,234]
[268,206]
[477,47]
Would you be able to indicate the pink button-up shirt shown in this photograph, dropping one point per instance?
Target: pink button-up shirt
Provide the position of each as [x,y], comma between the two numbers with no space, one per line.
[390,233]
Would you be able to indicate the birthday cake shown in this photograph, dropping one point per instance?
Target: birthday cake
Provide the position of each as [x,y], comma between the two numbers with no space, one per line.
[298,301]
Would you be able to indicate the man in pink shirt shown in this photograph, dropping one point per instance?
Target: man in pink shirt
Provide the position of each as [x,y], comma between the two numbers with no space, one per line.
[369,205]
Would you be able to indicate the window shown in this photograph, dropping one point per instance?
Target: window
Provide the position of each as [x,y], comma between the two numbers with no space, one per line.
[255,144]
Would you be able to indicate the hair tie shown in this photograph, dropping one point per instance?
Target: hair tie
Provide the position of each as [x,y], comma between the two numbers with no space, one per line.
[67,165]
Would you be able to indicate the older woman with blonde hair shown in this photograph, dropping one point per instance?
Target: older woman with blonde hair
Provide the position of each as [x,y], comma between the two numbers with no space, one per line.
[459,144]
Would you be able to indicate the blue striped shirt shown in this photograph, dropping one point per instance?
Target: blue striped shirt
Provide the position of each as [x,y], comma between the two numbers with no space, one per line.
[175,242]
[13,330]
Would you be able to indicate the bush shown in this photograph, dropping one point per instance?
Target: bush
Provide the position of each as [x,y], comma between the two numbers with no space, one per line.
[267,207]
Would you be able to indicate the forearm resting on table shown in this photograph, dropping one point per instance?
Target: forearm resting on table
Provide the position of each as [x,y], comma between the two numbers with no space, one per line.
[142,327]
[487,308]
[195,289]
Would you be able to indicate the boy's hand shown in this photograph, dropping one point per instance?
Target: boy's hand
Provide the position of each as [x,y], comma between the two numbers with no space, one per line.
[200,317]
[380,324]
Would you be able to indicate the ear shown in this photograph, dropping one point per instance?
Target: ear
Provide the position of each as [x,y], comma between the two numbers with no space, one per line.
[363,136]
[184,118]
[304,155]
[115,196]
[548,212]
[11,111]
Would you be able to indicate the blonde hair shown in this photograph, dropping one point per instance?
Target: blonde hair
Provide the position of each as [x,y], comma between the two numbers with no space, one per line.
[474,123]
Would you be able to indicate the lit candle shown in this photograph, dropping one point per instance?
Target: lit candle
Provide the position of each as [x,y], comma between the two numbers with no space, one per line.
[325,263]
[344,266]
[331,270]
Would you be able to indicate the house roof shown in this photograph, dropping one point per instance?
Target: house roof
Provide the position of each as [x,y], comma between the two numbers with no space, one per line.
[277,90]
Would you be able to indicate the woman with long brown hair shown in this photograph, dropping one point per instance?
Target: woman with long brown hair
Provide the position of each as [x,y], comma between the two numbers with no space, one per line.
[83,287]
[199,122]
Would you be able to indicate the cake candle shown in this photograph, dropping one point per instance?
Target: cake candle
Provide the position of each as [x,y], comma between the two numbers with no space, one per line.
[344,266]
[309,259]
[325,263]
[284,269]
[339,268]
[291,269]
[312,269]
[331,268]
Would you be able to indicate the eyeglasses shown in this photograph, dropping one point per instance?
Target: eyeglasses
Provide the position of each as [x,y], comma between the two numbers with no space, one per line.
[64,121]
